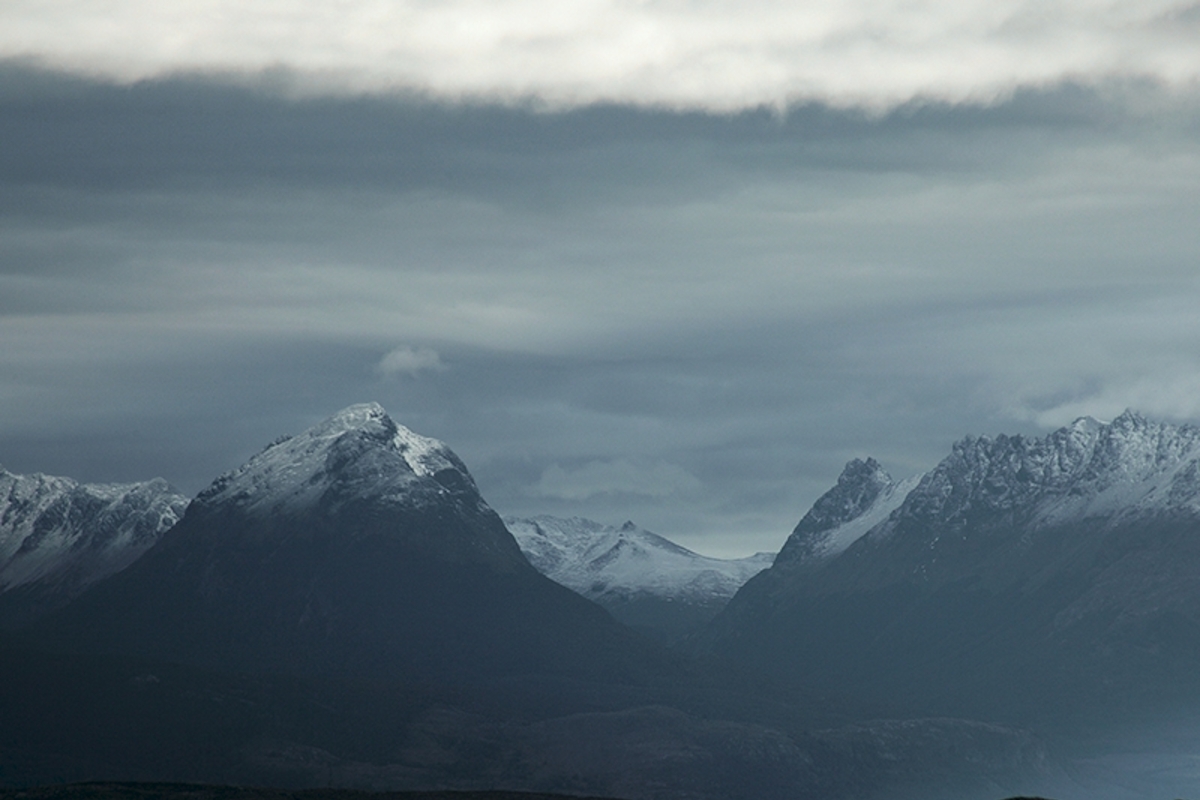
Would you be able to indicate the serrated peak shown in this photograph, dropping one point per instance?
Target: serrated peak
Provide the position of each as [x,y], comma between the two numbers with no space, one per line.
[859,485]
[71,534]
[864,496]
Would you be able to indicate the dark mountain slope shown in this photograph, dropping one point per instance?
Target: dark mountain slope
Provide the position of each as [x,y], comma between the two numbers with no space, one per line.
[184,791]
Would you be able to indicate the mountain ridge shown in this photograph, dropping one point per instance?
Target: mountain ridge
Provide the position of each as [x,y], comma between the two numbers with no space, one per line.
[58,537]
[1018,575]
[864,495]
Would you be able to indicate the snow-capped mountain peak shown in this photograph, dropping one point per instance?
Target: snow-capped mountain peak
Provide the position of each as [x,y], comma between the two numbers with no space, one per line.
[359,452]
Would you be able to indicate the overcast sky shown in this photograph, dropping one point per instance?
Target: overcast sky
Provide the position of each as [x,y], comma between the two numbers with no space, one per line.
[662,261]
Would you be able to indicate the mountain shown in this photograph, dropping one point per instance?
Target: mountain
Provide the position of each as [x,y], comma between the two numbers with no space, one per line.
[1019,578]
[58,537]
[864,496]
[644,580]
[357,549]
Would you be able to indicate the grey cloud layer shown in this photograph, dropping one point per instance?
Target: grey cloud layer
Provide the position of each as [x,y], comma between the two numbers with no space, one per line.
[717,55]
[723,307]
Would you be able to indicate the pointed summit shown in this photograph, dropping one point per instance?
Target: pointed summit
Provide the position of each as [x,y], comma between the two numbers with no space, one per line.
[864,496]
[1128,419]
[643,579]
[859,485]
[358,452]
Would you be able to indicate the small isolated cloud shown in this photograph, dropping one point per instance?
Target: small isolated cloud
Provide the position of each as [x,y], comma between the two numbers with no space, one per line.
[408,361]
[1174,397]
[621,476]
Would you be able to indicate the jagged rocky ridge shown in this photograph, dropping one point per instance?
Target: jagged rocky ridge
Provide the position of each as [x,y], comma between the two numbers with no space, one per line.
[1020,576]
[58,536]
[643,579]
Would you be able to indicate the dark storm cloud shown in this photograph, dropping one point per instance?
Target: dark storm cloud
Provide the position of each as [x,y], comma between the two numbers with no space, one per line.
[688,319]
[64,132]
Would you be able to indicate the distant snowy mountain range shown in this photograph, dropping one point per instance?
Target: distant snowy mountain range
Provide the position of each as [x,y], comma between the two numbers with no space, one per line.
[642,578]
[58,537]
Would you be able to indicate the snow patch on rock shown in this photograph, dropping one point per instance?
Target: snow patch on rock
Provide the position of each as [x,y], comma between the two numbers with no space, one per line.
[865,495]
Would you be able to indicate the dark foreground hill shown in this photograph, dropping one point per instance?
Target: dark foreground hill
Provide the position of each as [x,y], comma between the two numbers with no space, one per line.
[69,718]
[182,791]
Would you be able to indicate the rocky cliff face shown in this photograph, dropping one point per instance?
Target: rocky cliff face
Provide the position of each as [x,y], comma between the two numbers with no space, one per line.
[1130,468]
